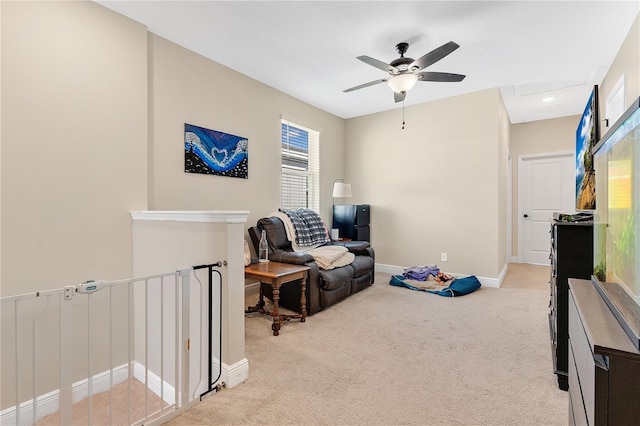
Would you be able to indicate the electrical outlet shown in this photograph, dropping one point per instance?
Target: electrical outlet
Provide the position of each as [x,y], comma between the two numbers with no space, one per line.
[443,257]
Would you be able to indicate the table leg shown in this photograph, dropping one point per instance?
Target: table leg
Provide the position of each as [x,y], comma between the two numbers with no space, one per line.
[275,283]
[277,321]
[260,304]
[259,307]
[303,299]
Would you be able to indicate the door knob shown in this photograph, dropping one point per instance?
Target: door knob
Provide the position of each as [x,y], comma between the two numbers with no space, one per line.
[526,215]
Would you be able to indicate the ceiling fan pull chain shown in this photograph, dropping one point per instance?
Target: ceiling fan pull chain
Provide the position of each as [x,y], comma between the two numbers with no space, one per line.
[403,114]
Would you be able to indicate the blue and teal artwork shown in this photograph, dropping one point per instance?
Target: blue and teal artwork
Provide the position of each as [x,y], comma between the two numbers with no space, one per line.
[586,139]
[215,153]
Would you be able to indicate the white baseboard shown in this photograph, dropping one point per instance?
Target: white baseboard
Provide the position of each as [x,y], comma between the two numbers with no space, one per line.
[50,402]
[235,374]
[154,383]
[503,274]
[389,269]
[231,375]
[485,281]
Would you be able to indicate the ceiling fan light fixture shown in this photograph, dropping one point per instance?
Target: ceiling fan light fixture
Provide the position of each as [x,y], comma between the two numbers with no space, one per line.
[402,82]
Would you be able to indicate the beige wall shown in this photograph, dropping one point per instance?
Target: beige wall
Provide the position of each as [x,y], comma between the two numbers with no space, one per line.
[434,186]
[504,137]
[74,142]
[188,88]
[0,153]
[627,63]
[537,137]
[74,114]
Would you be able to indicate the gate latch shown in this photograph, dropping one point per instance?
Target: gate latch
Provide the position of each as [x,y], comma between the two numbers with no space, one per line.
[91,286]
[69,291]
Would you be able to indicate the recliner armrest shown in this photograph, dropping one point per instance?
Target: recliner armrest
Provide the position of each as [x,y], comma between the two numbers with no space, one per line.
[355,247]
[295,258]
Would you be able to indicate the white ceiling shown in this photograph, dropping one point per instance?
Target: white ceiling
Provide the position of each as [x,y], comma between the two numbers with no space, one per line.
[531,50]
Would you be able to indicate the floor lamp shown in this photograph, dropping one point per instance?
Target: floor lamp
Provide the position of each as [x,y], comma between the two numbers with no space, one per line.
[341,190]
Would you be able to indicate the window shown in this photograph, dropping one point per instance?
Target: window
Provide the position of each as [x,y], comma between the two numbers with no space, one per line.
[615,103]
[300,179]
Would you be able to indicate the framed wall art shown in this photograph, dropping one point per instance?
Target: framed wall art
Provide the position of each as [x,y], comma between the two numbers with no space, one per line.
[213,152]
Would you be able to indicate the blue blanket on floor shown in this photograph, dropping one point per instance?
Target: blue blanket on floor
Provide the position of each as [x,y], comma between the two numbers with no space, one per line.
[458,287]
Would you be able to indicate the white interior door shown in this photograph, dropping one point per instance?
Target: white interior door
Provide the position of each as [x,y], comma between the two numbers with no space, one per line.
[546,185]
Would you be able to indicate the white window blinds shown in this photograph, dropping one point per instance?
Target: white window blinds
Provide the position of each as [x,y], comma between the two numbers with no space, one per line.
[300,179]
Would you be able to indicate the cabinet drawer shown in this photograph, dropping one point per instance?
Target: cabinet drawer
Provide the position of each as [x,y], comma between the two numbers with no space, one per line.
[585,368]
[577,413]
[552,330]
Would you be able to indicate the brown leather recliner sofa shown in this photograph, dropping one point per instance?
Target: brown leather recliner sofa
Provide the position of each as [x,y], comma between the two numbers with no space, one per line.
[324,287]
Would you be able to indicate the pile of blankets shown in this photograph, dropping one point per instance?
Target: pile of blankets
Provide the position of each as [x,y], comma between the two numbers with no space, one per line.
[307,233]
[424,273]
[419,278]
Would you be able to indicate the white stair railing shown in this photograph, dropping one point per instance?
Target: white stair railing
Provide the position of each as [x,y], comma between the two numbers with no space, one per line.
[64,345]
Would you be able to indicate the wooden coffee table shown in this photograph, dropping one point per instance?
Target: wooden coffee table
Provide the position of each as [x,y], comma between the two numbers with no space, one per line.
[276,274]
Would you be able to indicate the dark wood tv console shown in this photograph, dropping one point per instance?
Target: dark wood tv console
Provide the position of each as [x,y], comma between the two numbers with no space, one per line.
[604,365]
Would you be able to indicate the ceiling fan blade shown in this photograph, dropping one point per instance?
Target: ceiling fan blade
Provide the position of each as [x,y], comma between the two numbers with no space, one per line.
[399,97]
[440,76]
[435,55]
[377,63]
[362,86]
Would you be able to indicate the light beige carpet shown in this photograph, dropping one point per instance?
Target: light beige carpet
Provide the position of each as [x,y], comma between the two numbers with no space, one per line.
[523,275]
[393,356]
[125,401]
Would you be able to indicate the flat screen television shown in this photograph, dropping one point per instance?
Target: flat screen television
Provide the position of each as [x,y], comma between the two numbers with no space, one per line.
[616,220]
[587,135]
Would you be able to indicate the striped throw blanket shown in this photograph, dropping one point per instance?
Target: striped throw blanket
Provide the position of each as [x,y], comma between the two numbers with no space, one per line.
[308,226]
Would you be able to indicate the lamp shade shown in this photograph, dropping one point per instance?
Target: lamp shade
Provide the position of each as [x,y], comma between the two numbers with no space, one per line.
[402,82]
[341,190]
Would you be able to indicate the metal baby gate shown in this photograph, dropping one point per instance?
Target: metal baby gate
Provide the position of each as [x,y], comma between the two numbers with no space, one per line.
[122,352]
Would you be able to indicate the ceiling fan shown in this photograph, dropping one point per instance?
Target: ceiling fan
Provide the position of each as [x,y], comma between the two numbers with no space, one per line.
[405,72]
